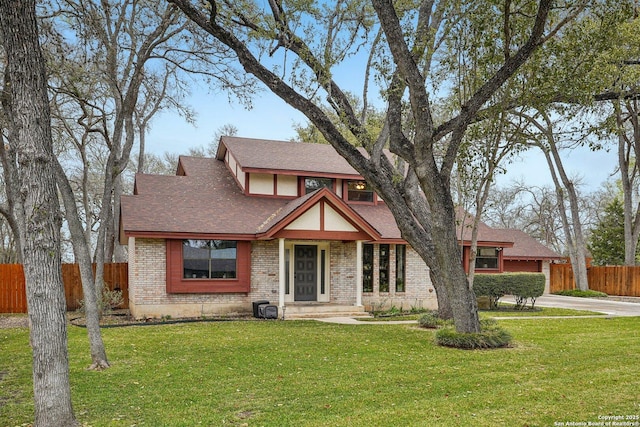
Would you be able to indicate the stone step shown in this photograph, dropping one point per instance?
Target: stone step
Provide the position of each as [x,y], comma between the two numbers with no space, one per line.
[324,315]
[320,310]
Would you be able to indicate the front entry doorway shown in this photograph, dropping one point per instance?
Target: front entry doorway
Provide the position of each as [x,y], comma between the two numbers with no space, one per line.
[305,280]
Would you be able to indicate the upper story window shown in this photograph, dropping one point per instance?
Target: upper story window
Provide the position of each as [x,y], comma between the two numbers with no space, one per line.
[359,191]
[487,258]
[313,184]
[209,259]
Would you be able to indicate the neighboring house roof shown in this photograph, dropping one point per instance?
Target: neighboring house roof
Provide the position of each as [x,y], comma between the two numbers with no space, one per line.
[525,247]
[486,234]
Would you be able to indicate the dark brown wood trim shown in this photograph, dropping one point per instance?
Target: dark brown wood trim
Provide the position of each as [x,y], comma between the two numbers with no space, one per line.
[322,235]
[304,173]
[181,236]
[176,284]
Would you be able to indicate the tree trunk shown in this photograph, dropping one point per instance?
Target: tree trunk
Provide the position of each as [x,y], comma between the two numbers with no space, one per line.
[37,211]
[119,254]
[576,243]
[450,274]
[628,174]
[83,258]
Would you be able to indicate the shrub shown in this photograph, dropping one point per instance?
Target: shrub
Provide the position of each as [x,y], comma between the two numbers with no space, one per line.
[493,286]
[522,286]
[582,294]
[490,336]
[430,320]
[110,300]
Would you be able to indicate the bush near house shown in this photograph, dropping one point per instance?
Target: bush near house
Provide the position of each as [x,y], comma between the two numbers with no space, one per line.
[522,286]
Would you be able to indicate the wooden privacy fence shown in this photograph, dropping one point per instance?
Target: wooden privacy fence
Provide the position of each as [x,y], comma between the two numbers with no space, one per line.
[612,280]
[13,296]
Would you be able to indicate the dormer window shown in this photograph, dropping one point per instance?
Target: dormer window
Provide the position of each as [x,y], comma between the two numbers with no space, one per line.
[312,184]
[359,191]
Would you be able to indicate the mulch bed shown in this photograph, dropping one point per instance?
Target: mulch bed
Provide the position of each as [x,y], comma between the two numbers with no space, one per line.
[114,319]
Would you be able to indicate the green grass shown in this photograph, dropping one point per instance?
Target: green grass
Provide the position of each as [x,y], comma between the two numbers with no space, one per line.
[506,310]
[306,373]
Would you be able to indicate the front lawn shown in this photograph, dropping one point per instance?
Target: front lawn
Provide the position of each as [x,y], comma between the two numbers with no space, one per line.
[307,373]
[504,310]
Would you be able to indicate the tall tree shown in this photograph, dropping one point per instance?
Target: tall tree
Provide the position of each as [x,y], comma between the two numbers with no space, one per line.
[123,63]
[530,208]
[545,137]
[487,146]
[627,117]
[606,243]
[28,163]
[322,36]
[601,55]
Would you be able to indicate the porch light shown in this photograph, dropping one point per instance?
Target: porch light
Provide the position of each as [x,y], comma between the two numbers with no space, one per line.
[360,185]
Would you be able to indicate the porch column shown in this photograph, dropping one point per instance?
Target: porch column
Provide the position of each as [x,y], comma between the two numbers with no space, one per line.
[281,274]
[359,273]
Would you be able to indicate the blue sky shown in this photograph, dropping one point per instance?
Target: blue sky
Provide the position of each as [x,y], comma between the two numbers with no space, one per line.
[272,118]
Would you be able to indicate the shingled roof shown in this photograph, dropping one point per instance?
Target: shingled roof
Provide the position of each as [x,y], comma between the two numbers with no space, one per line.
[198,204]
[269,155]
[204,200]
[525,247]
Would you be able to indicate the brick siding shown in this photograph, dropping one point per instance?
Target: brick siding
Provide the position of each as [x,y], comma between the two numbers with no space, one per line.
[419,291]
[148,296]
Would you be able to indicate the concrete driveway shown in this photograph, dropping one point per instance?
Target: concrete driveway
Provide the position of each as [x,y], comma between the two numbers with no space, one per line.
[605,306]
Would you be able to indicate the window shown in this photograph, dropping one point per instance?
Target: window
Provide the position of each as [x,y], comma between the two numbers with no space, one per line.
[209,259]
[401,267]
[359,191]
[383,268]
[323,266]
[287,267]
[487,258]
[367,268]
[313,184]
[219,266]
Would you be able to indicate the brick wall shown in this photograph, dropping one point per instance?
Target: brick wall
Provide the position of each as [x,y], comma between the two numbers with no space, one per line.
[148,296]
[148,293]
[419,291]
[342,258]
[264,271]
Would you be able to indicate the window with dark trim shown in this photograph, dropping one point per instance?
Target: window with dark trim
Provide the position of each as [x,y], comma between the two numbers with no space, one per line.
[367,267]
[219,266]
[401,267]
[209,259]
[312,184]
[487,258]
[383,268]
[359,191]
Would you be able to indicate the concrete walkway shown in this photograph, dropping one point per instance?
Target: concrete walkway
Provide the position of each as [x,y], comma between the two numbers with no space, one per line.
[355,321]
[604,306]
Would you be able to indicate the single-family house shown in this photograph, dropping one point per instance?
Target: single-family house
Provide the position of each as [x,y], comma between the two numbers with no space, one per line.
[290,223]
